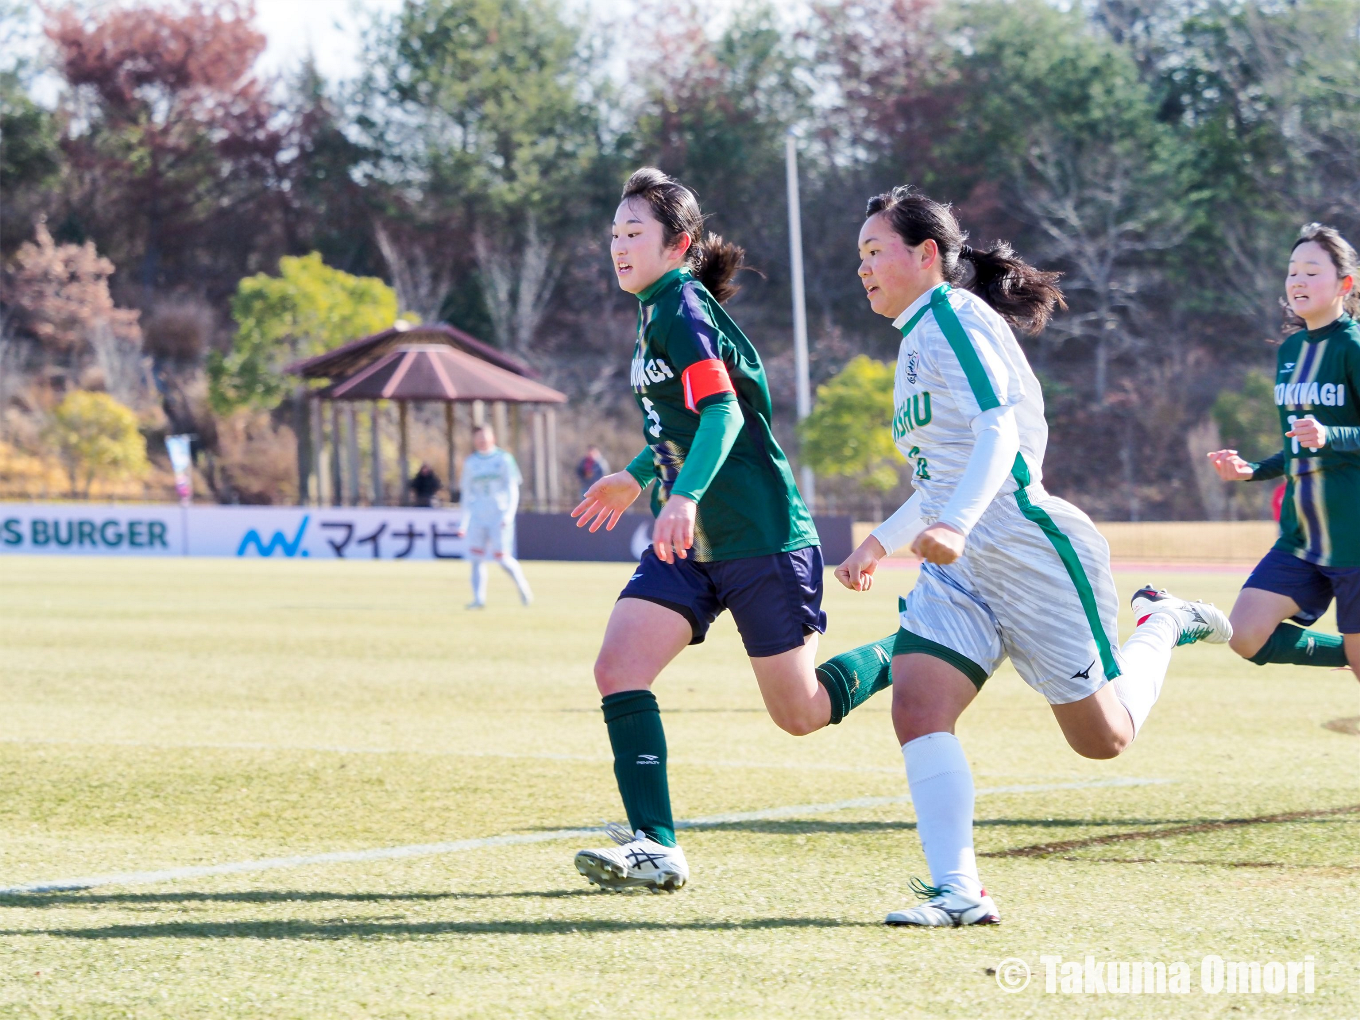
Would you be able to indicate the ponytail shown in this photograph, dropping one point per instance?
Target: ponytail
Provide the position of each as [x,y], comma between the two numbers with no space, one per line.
[1021,294]
[713,261]
[717,262]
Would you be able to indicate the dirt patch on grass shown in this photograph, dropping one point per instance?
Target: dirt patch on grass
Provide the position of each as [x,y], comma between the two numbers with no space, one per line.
[1065,846]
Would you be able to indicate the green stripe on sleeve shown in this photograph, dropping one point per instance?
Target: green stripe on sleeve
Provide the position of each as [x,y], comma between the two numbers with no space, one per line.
[963,350]
[1063,545]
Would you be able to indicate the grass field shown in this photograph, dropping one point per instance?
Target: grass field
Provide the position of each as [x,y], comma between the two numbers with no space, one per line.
[179,713]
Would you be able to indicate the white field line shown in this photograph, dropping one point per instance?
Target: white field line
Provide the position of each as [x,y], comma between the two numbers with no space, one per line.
[895,770]
[516,756]
[509,839]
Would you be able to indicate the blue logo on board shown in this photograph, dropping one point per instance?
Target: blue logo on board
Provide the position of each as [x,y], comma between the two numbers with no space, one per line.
[277,541]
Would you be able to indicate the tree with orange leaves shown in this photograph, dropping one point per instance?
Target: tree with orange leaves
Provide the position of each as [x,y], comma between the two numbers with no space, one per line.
[59,295]
[174,144]
[63,293]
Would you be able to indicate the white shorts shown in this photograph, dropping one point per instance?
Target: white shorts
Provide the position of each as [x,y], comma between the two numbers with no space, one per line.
[1034,584]
[494,537]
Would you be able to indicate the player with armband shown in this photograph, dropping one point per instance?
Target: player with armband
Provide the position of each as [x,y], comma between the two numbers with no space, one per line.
[731,533]
[1317,556]
[1009,569]
[490,497]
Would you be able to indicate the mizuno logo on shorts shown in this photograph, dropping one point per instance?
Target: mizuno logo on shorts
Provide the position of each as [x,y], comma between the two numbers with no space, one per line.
[1085,674]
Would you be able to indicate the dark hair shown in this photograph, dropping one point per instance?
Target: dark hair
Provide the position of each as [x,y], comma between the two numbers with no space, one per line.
[712,260]
[1343,256]
[1023,296]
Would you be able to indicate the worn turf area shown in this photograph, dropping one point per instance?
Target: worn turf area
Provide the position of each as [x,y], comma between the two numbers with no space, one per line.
[171,714]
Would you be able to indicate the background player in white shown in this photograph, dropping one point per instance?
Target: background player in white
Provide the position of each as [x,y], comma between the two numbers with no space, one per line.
[490,484]
[1010,570]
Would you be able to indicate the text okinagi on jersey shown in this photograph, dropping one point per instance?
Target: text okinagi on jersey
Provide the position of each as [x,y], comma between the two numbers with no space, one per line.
[1318,373]
[690,354]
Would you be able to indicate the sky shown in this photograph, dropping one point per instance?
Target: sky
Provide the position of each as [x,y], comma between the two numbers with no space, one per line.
[329,29]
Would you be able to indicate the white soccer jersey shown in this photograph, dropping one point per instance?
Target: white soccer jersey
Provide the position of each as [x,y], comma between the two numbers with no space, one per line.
[490,484]
[959,358]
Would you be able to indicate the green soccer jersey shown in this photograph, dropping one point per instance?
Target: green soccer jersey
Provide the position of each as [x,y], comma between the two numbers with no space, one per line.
[1319,374]
[690,354]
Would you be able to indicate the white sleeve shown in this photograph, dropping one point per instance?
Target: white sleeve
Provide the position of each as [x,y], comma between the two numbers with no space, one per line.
[463,503]
[901,529]
[993,456]
[512,481]
[974,359]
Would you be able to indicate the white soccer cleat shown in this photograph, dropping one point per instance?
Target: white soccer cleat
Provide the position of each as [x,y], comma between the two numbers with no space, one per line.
[945,908]
[475,605]
[1198,621]
[637,862]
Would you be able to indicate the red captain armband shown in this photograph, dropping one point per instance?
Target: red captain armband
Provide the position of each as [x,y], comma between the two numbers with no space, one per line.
[704,379]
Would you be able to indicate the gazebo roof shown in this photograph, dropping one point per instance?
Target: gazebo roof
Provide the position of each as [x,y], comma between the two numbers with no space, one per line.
[349,358]
[425,371]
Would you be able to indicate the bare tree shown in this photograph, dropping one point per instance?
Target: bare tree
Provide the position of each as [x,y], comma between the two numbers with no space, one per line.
[421,282]
[517,284]
[1100,216]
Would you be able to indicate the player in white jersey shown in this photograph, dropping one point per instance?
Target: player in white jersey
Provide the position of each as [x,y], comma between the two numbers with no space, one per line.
[490,484]
[1010,570]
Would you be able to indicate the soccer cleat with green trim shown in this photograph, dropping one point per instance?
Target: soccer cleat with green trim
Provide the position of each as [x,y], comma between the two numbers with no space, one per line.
[637,862]
[945,908]
[1198,621]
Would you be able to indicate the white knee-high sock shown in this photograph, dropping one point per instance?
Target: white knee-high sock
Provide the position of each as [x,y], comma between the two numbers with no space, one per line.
[942,793]
[1146,655]
[479,580]
[512,568]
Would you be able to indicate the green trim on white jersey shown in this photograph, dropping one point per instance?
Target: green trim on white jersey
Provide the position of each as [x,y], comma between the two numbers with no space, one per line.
[1063,546]
[963,349]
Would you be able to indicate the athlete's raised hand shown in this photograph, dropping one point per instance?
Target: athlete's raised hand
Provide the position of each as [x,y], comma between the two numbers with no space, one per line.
[1309,432]
[674,530]
[857,571]
[606,500]
[939,543]
[1230,467]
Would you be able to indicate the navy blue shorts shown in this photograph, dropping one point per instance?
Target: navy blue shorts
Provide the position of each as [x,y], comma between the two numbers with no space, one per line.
[776,601]
[1312,587]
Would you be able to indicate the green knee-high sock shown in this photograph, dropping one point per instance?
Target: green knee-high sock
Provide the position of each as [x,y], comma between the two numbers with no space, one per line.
[1302,648]
[639,743]
[853,677]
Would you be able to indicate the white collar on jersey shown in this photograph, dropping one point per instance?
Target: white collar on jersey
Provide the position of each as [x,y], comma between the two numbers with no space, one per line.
[901,320]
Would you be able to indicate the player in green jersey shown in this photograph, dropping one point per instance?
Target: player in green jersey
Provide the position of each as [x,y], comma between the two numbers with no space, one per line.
[1317,384]
[731,532]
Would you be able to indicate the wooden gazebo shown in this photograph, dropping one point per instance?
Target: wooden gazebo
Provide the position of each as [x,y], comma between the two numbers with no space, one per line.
[407,365]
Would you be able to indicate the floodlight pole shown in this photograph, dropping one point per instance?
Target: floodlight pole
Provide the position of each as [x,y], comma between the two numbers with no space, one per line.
[800,306]
[803,392]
